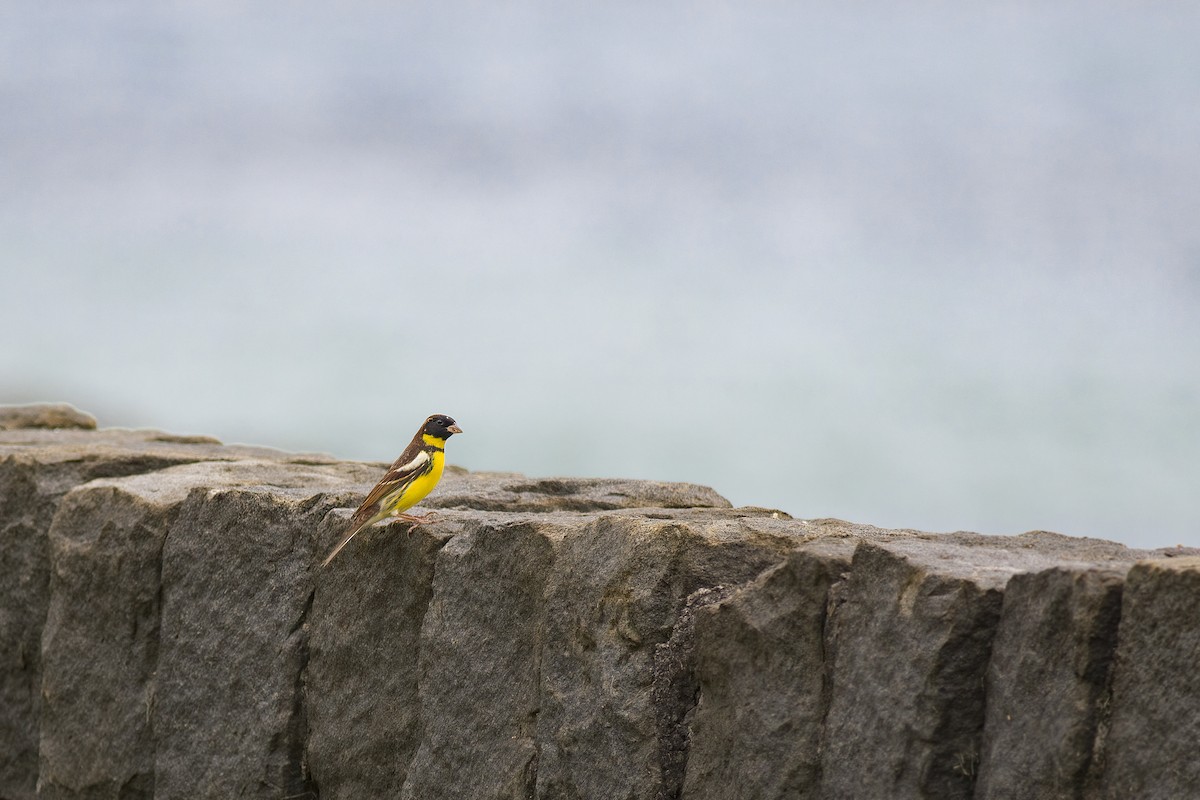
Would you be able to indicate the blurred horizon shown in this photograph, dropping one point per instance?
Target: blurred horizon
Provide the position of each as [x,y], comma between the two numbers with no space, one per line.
[909,265]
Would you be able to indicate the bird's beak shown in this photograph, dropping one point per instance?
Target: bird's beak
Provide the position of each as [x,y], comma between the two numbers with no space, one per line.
[454,429]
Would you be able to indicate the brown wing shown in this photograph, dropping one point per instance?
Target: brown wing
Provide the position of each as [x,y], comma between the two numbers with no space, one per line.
[411,463]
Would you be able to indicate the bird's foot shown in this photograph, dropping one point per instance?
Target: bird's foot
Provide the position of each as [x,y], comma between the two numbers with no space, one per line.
[414,519]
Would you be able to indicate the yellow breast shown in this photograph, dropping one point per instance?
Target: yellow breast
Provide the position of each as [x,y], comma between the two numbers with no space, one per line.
[423,485]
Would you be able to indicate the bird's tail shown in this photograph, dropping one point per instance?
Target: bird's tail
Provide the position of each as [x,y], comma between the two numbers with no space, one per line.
[345,540]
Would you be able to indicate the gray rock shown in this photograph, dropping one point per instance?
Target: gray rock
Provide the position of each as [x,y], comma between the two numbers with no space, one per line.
[763,688]
[362,676]
[676,689]
[24,594]
[616,593]
[38,467]
[170,635]
[1151,746]
[509,492]
[1048,682]
[461,634]
[45,415]
[481,646]
[909,638]
[229,715]
[111,667]
[100,642]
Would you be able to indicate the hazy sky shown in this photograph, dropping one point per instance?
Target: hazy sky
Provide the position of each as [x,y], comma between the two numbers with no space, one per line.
[908,264]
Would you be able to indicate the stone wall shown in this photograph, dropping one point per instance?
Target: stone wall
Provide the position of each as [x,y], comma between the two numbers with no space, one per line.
[165,632]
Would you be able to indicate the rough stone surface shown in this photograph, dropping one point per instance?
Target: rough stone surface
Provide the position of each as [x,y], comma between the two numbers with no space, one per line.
[100,642]
[676,688]
[365,641]
[617,590]
[509,492]
[910,639]
[1048,682]
[228,714]
[763,687]
[166,632]
[136,627]
[24,595]
[1150,751]
[38,466]
[479,664]
[909,644]
[45,415]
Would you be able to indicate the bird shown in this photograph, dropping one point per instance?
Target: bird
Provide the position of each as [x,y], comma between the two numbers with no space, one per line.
[410,478]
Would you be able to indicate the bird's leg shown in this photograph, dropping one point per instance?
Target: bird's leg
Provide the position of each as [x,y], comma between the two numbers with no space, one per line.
[414,519]
[419,519]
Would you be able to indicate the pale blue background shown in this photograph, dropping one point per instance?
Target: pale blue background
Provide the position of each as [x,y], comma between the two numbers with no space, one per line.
[911,264]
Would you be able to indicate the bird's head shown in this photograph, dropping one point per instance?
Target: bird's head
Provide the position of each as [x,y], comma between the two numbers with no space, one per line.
[440,426]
